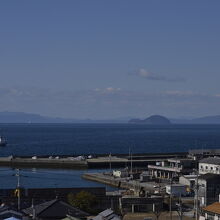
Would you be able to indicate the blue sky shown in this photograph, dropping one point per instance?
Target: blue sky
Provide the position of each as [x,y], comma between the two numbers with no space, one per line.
[107,59]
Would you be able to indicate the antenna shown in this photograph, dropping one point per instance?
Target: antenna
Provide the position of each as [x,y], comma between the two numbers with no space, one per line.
[110,161]
[130,152]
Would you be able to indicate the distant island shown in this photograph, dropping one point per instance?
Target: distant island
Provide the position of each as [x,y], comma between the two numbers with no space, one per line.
[152,120]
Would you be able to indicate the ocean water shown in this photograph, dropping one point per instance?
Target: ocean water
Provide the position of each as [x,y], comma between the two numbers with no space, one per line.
[47,178]
[79,139]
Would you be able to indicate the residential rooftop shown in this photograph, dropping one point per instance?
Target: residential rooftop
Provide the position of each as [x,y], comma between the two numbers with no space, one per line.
[211,160]
[209,176]
[214,208]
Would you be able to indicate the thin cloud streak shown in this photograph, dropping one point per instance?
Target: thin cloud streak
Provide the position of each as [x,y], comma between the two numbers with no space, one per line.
[143,73]
[106,102]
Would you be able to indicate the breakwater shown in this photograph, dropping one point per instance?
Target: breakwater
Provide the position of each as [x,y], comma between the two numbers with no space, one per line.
[43,163]
[80,162]
[106,179]
[124,183]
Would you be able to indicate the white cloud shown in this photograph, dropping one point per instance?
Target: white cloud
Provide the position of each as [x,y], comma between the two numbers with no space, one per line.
[108,90]
[157,77]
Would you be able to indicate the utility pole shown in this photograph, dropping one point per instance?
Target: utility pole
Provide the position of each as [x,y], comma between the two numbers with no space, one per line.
[33,210]
[197,194]
[171,181]
[110,161]
[180,210]
[18,188]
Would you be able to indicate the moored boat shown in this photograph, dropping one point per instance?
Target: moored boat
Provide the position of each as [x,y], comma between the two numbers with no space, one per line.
[3,141]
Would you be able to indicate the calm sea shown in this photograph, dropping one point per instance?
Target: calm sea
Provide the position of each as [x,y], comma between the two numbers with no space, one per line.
[78,139]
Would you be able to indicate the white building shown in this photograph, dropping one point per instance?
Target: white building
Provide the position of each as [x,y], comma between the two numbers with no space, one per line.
[209,165]
[188,180]
[176,190]
[172,167]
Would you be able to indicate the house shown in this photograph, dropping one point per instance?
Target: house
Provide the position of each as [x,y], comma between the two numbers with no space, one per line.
[208,189]
[210,212]
[135,203]
[54,209]
[10,214]
[209,165]
[170,168]
[7,213]
[188,180]
[107,214]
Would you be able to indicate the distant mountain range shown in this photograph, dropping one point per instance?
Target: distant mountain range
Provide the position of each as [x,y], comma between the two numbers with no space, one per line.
[21,117]
[202,120]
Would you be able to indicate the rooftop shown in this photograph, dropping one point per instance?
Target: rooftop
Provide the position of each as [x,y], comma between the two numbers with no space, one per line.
[55,208]
[211,160]
[214,208]
[107,214]
[209,176]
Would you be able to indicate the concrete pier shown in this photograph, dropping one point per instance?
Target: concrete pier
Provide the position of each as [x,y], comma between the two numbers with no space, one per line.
[43,162]
[102,161]
[119,182]
[106,179]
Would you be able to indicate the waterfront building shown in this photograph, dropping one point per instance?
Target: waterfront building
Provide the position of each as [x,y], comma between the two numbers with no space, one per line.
[209,165]
[198,154]
[171,168]
[208,189]
[211,212]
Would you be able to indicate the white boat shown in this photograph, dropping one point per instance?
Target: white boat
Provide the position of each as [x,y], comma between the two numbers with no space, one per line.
[3,141]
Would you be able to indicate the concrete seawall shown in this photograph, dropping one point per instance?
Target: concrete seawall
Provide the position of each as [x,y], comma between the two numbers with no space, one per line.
[116,182]
[79,162]
[43,163]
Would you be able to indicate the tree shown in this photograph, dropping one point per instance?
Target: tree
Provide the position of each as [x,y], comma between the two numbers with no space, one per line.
[82,200]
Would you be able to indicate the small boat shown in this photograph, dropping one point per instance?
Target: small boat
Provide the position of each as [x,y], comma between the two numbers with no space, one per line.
[3,141]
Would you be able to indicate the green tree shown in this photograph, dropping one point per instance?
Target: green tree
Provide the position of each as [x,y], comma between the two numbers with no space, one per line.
[83,200]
